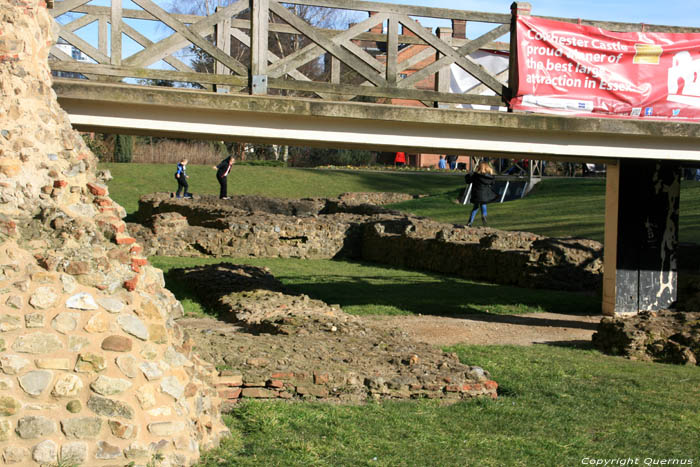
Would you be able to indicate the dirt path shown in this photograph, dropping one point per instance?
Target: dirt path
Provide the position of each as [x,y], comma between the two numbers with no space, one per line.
[494,329]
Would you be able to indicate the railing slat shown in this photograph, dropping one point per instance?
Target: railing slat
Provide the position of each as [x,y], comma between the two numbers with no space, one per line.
[466,63]
[466,49]
[392,51]
[428,12]
[305,86]
[61,8]
[116,36]
[175,42]
[349,59]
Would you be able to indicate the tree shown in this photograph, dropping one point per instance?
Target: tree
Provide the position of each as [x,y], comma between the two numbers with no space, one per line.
[123,148]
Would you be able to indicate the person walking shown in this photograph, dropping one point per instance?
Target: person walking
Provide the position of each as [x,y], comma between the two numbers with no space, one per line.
[400,159]
[482,181]
[222,171]
[442,163]
[452,161]
[181,178]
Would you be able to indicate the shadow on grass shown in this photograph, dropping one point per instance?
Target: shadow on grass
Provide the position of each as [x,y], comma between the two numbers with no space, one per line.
[443,296]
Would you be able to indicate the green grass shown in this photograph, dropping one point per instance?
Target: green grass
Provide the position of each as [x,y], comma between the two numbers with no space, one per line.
[366,289]
[557,406]
[556,207]
[131,181]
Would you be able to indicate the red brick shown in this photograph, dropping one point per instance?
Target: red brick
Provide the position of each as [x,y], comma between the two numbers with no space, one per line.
[229,380]
[139,261]
[130,285]
[136,249]
[490,384]
[103,202]
[258,393]
[281,375]
[275,383]
[135,268]
[96,189]
[229,393]
[452,388]
[60,184]
[125,240]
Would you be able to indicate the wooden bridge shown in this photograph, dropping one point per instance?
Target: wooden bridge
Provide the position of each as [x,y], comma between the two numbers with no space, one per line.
[265,73]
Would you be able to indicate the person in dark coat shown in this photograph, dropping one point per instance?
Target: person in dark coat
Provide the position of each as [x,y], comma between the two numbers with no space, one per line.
[452,161]
[222,171]
[482,190]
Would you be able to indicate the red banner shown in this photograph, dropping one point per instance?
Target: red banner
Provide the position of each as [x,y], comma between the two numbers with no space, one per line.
[570,69]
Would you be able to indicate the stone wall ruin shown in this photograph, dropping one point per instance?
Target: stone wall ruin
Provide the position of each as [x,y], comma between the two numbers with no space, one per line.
[330,228]
[93,368]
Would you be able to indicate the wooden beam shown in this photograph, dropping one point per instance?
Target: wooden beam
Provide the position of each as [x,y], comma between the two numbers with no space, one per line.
[79,23]
[191,35]
[116,46]
[422,11]
[223,42]
[145,42]
[271,57]
[312,51]
[176,41]
[84,47]
[102,33]
[459,14]
[466,63]
[463,51]
[349,59]
[259,20]
[303,86]
[442,78]
[392,51]
[60,8]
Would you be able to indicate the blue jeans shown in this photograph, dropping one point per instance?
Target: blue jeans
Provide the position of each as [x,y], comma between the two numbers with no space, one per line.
[475,210]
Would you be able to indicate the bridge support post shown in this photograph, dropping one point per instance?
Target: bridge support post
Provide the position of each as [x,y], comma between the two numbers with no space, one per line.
[641,236]
[259,28]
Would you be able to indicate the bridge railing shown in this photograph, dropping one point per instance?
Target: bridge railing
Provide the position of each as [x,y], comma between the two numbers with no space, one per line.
[388,55]
[271,47]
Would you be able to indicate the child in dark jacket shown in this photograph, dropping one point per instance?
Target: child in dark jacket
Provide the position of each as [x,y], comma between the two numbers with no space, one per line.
[181,178]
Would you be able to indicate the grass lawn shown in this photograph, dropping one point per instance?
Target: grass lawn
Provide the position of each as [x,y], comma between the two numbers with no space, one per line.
[368,289]
[556,207]
[557,406]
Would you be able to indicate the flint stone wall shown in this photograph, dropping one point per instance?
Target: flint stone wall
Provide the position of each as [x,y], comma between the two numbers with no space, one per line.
[330,228]
[93,369]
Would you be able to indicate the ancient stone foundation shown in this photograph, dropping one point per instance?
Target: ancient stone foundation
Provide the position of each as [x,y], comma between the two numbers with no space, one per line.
[93,369]
[669,336]
[281,346]
[330,228]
